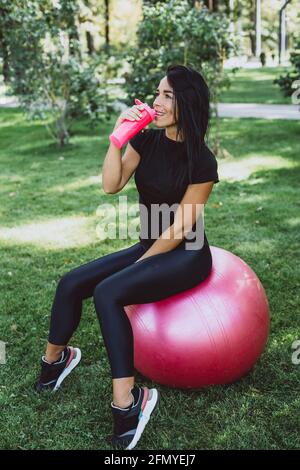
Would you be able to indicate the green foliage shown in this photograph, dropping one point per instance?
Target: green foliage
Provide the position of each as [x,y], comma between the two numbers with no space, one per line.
[40,201]
[285,82]
[176,32]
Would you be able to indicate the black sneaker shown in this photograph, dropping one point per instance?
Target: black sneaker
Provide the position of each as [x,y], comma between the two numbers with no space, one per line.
[129,423]
[52,375]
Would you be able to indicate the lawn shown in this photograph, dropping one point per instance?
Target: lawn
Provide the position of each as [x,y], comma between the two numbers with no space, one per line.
[49,198]
[255,86]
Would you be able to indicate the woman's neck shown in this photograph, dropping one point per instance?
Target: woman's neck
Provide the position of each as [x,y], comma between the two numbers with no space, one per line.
[171,133]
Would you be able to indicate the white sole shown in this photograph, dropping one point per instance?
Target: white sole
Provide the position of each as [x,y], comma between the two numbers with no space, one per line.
[150,406]
[68,369]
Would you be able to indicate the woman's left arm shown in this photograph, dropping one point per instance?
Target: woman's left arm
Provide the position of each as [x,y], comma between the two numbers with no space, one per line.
[189,209]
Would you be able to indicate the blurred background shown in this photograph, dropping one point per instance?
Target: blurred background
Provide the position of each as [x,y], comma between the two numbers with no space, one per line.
[69,59]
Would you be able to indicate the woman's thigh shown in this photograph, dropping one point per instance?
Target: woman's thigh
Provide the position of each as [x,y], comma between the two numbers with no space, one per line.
[157,277]
[84,278]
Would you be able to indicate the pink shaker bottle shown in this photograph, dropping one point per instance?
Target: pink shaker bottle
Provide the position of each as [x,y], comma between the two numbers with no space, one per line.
[129,128]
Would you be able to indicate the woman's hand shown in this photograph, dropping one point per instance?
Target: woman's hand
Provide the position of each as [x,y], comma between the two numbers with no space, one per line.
[132,114]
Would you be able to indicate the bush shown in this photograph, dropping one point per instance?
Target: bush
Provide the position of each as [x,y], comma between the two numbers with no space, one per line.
[192,36]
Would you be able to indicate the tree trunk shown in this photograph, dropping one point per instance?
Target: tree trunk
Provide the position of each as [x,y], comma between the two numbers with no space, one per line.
[90,43]
[258,28]
[252,43]
[282,32]
[231,16]
[212,5]
[251,30]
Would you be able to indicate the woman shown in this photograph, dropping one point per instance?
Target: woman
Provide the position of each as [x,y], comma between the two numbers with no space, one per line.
[172,165]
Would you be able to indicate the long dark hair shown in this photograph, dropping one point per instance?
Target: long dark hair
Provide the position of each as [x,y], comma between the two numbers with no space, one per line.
[192,99]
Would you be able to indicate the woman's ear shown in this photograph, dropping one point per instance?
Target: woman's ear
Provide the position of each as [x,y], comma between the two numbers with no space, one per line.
[175,111]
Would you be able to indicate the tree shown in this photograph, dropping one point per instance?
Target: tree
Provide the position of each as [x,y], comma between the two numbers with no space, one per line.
[286,81]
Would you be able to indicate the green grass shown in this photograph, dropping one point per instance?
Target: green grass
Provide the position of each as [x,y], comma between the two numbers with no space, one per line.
[43,196]
[255,86]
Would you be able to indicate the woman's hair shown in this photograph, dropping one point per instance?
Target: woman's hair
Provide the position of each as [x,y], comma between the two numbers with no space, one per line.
[192,99]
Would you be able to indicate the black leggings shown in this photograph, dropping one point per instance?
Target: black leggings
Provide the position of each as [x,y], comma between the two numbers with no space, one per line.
[114,281]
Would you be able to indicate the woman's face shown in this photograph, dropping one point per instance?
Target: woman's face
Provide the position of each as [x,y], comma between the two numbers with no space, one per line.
[164,103]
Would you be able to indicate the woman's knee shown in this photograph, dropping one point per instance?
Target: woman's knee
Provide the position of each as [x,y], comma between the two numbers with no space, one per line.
[105,293]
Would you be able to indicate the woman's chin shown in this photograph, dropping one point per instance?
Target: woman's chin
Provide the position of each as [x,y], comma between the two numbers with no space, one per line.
[156,123]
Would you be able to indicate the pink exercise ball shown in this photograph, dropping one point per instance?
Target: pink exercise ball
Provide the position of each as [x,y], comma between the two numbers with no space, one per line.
[208,335]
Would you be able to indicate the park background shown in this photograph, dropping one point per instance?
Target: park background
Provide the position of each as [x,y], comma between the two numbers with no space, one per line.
[67,69]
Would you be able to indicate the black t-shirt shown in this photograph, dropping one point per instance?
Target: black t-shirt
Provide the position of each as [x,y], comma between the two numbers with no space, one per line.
[163,163]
